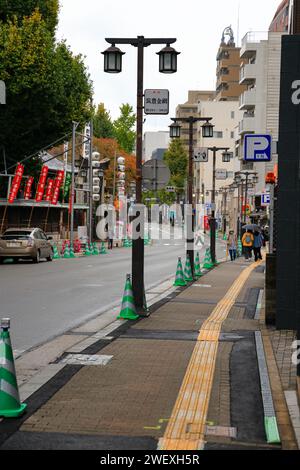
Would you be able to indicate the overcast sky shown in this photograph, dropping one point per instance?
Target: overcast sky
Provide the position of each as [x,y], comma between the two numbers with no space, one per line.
[197,25]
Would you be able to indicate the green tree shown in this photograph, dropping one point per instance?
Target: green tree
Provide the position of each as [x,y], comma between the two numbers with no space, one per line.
[123,128]
[20,8]
[177,160]
[103,126]
[47,87]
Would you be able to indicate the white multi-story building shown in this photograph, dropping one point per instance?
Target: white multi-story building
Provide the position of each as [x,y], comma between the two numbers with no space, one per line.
[225,118]
[260,102]
[153,141]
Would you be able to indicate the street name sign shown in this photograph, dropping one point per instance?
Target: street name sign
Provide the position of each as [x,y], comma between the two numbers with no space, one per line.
[156,102]
[257,148]
[201,155]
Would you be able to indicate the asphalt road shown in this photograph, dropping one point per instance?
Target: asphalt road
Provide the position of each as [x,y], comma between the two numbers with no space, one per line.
[44,300]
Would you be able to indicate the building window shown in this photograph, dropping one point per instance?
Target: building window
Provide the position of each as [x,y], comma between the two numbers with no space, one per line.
[232,114]
[218,134]
[232,135]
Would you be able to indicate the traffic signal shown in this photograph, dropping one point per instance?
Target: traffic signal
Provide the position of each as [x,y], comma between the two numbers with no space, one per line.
[270,178]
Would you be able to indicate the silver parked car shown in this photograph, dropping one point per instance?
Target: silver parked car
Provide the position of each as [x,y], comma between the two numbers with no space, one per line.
[25,243]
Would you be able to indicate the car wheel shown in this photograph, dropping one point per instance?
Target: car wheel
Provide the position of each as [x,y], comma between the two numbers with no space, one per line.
[50,257]
[1,260]
[37,258]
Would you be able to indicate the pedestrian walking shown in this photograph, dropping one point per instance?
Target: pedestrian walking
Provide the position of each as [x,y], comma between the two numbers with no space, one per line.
[110,238]
[232,245]
[247,242]
[257,244]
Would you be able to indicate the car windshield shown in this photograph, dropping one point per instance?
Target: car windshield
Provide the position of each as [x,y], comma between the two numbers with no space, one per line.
[20,235]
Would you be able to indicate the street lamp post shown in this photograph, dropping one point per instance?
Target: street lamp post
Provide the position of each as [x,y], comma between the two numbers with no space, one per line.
[226,157]
[113,64]
[244,178]
[207,132]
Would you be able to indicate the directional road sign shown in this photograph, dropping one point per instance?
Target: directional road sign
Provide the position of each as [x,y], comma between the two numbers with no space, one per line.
[257,148]
[221,174]
[201,155]
[156,175]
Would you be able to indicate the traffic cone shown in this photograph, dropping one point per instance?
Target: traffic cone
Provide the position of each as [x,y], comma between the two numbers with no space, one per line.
[103,249]
[188,275]
[56,254]
[225,237]
[87,251]
[67,252]
[10,405]
[240,247]
[95,250]
[207,260]
[130,243]
[126,243]
[198,272]
[179,280]
[72,254]
[128,310]
[145,307]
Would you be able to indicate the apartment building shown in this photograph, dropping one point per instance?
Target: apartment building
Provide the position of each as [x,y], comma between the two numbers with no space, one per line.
[260,73]
[228,87]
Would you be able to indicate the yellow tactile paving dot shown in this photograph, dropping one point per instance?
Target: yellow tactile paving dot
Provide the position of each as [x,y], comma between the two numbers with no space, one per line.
[186,427]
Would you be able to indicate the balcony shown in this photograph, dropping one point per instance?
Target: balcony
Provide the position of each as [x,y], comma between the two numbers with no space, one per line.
[248,100]
[248,74]
[247,124]
[250,43]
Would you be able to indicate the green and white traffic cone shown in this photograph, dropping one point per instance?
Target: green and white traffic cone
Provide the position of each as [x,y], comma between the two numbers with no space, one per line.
[225,237]
[130,243]
[128,310]
[103,249]
[87,250]
[72,254]
[96,252]
[207,260]
[240,247]
[10,405]
[198,272]
[67,252]
[179,280]
[56,254]
[188,275]
[126,243]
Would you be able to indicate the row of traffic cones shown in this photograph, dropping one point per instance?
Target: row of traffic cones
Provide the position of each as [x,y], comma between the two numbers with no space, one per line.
[183,277]
[90,249]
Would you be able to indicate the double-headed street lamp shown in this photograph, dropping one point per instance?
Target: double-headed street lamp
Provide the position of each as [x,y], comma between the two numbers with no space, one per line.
[226,157]
[225,191]
[113,64]
[207,132]
[247,179]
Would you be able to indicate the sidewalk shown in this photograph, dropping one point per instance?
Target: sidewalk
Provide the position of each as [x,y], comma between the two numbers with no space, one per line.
[187,377]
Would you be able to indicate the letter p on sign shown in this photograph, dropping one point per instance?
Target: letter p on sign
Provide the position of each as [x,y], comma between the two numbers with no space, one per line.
[257,148]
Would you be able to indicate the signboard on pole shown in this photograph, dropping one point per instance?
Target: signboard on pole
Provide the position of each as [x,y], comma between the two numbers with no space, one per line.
[257,148]
[201,155]
[86,141]
[156,102]
[221,174]
[265,199]
[156,175]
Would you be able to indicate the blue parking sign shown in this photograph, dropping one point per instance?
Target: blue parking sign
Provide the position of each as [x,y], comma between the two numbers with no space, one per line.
[257,148]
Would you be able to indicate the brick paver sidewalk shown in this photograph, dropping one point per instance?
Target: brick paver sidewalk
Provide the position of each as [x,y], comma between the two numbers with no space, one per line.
[128,402]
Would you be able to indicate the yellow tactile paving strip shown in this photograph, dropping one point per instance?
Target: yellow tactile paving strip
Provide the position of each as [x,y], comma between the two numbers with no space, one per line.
[186,428]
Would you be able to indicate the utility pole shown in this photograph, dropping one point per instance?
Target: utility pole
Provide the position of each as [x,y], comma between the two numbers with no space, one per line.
[90,222]
[75,125]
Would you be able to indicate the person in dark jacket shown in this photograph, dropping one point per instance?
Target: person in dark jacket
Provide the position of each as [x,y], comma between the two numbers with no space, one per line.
[257,244]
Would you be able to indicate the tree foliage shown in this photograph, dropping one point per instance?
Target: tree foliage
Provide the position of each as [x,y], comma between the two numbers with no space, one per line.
[20,8]
[177,160]
[109,148]
[47,87]
[103,126]
[123,128]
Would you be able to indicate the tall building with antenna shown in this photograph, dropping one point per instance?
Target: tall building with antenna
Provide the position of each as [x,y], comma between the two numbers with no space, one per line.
[229,62]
